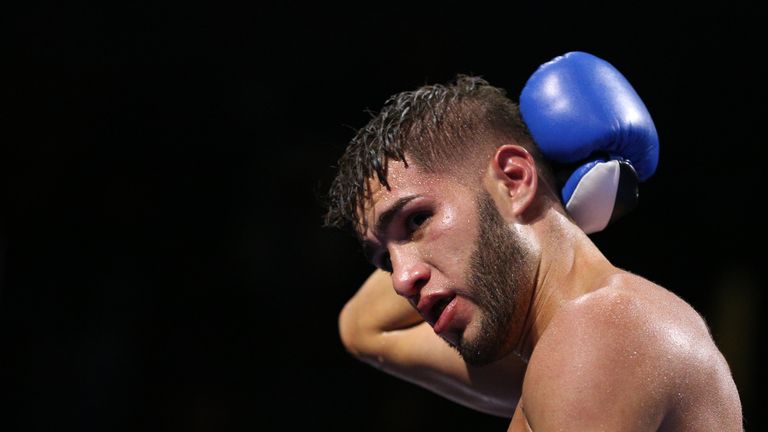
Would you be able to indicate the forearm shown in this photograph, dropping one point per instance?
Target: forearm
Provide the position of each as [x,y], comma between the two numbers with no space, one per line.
[375,309]
[384,330]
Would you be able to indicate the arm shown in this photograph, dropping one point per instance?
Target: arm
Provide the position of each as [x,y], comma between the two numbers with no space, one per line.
[382,329]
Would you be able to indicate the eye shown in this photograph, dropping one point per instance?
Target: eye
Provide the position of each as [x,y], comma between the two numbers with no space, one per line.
[416,220]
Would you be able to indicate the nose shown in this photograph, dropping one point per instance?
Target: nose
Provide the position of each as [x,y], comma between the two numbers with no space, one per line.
[409,273]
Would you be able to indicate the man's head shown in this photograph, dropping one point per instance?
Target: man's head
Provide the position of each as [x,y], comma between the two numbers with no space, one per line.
[441,186]
[451,129]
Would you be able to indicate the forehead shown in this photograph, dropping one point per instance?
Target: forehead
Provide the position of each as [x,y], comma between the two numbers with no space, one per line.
[404,182]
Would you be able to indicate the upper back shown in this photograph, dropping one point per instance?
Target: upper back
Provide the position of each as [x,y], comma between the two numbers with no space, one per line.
[629,356]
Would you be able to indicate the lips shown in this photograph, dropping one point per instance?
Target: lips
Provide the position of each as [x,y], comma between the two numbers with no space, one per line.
[439,307]
[433,306]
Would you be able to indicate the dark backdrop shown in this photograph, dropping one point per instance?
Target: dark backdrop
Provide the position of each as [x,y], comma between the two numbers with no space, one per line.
[163,261]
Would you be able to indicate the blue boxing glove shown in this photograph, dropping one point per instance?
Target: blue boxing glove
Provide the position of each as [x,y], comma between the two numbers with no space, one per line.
[584,115]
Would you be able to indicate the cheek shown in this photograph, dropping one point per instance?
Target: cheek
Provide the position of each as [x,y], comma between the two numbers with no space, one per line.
[452,239]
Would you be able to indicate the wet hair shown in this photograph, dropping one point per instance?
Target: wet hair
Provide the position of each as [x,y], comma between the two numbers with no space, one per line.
[441,128]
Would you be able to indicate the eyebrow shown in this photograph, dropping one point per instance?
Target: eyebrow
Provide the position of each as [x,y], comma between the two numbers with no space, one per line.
[388,215]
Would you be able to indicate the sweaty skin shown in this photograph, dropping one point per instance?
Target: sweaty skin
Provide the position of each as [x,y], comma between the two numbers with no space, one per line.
[591,347]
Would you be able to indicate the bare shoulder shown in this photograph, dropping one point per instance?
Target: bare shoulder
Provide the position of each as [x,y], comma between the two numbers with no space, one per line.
[629,356]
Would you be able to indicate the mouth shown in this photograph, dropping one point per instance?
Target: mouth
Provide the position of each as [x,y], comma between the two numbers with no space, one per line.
[434,310]
[439,307]
[444,315]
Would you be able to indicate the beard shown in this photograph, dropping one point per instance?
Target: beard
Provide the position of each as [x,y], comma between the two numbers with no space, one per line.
[499,275]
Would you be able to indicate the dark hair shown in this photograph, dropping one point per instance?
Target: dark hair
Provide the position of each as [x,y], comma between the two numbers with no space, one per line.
[438,126]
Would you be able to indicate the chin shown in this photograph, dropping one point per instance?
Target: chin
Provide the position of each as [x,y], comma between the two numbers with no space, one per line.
[475,357]
[479,347]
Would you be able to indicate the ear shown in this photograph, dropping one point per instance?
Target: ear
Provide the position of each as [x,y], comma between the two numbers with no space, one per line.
[512,179]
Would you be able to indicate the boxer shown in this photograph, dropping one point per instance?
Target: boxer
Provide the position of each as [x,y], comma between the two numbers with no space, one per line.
[489,290]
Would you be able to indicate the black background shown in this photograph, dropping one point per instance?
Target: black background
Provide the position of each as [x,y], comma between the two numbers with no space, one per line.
[163,261]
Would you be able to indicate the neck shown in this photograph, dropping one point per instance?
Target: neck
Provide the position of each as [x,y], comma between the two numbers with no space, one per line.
[569,266]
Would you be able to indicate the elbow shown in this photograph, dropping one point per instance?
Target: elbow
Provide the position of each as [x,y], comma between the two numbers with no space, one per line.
[357,341]
[349,332]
